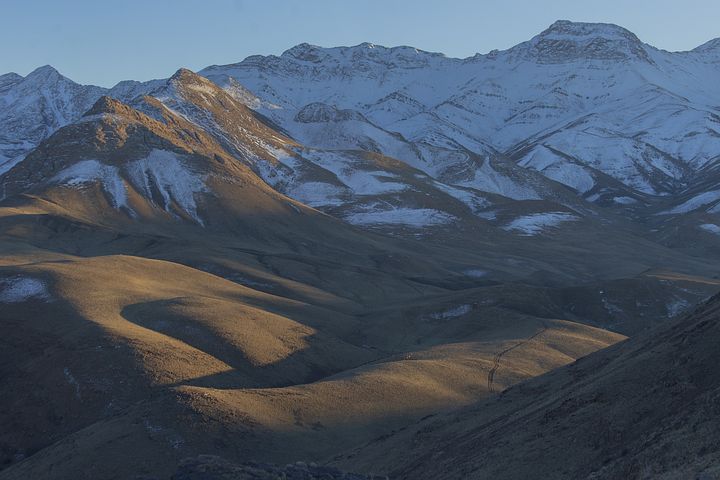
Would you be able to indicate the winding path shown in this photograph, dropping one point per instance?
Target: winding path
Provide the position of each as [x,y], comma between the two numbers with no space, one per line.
[499,355]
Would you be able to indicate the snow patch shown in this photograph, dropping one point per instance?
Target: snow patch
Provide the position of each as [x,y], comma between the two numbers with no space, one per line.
[164,172]
[316,194]
[349,171]
[88,171]
[409,217]
[536,223]
[696,202]
[21,289]
[6,164]
[611,308]
[489,215]
[372,183]
[711,227]
[676,307]
[475,202]
[557,168]
[487,179]
[454,312]
[475,273]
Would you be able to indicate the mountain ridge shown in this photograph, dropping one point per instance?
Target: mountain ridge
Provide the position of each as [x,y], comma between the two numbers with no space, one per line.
[569,126]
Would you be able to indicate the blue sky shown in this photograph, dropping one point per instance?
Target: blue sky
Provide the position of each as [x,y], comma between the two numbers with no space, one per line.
[103,42]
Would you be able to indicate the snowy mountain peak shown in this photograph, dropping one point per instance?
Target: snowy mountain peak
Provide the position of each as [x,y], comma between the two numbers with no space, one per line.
[11,77]
[46,73]
[401,56]
[34,106]
[305,52]
[565,41]
[578,105]
[568,28]
[712,46]
[8,80]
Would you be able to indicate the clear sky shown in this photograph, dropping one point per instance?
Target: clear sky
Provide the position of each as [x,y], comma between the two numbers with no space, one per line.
[103,42]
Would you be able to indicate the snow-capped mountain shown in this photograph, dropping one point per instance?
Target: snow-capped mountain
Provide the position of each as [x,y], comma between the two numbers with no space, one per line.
[154,155]
[579,102]
[33,107]
[583,116]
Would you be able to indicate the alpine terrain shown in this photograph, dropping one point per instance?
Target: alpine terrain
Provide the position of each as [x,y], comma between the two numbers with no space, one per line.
[366,259]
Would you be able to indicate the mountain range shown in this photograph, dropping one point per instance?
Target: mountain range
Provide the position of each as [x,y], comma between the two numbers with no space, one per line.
[334,253]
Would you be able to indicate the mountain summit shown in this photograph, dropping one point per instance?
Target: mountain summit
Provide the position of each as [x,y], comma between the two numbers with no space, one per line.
[401,55]
[565,41]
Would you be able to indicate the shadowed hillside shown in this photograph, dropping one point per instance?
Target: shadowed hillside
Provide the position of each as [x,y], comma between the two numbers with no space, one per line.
[644,408]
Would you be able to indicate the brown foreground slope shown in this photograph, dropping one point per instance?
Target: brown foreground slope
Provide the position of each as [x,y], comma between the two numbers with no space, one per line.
[645,408]
[124,365]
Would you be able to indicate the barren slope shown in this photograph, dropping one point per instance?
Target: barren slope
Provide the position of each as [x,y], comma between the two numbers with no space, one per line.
[645,408]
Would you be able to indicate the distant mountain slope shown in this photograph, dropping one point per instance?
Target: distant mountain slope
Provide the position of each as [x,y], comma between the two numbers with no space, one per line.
[33,107]
[189,115]
[191,154]
[646,408]
[592,92]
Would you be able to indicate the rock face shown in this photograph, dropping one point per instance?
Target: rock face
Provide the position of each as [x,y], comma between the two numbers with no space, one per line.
[207,467]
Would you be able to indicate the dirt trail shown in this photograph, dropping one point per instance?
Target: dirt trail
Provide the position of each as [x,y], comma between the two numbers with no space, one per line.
[499,355]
